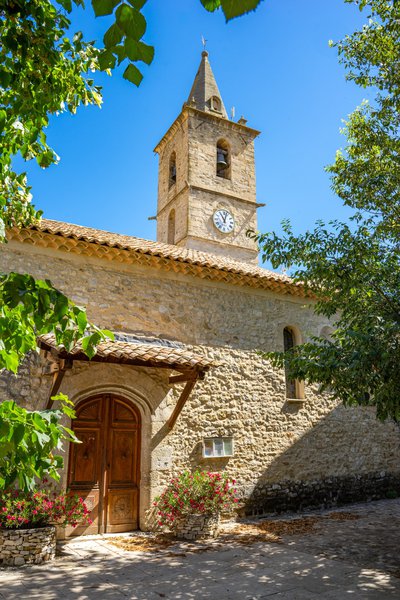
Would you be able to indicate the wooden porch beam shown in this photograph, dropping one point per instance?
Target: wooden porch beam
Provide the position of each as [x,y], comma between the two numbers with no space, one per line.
[181,402]
[183,377]
[57,379]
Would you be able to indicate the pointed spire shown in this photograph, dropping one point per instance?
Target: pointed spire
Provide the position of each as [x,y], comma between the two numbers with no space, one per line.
[205,94]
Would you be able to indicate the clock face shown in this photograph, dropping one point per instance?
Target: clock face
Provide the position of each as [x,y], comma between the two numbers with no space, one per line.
[223,221]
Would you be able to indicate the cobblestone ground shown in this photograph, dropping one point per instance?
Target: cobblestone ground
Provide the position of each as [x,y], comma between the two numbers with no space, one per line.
[351,557]
[372,541]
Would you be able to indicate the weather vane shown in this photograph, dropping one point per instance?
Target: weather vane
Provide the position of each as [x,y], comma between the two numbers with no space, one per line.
[204,42]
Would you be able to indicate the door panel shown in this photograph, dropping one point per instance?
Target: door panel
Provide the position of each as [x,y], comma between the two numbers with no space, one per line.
[123,414]
[122,457]
[122,510]
[85,459]
[104,468]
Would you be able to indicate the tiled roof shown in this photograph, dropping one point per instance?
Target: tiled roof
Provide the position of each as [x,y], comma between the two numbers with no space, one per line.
[133,350]
[166,251]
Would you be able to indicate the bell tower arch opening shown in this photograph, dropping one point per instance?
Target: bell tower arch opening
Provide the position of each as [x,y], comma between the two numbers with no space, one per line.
[223,167]
[172,170]
[171,227]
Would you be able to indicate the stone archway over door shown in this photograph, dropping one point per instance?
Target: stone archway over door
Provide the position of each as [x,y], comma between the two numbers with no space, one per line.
[105,468]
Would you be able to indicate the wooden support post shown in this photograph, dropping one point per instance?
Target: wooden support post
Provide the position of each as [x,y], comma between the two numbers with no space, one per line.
[181,402]
[57,379]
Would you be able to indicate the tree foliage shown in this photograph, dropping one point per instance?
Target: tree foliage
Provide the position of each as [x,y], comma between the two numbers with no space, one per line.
[353,269]
[27,443]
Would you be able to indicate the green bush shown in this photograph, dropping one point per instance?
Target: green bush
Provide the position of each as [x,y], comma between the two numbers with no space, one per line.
[200,492]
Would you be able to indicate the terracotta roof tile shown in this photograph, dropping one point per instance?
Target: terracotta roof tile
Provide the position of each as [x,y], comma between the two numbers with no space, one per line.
[176,253]
[145,353]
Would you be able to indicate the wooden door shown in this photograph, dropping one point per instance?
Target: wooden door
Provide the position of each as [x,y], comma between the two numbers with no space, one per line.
[104,468]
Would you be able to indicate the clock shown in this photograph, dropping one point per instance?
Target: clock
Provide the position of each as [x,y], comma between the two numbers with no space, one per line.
[223,220]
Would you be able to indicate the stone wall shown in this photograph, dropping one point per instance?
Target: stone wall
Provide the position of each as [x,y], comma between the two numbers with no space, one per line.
[23,546]
[323,493]
[297,446]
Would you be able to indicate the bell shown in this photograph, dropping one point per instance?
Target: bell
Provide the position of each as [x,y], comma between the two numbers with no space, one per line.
[221,161]
[173,173]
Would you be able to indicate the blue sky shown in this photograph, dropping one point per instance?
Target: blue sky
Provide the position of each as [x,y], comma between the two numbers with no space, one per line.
[274,66]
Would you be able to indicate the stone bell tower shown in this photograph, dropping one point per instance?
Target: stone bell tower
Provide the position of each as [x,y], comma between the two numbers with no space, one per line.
[206,184]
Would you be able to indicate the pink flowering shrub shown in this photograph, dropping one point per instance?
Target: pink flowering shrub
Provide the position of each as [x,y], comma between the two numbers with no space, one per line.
[200,492]
[27,510]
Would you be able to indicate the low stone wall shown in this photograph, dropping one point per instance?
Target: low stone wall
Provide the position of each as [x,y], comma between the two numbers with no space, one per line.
[271,498]
[196,527]
[21,546]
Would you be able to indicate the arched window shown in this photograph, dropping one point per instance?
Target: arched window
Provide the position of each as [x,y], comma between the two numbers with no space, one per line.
[223,159]
[171,227]
[294,388]
[215,103]
[172,169]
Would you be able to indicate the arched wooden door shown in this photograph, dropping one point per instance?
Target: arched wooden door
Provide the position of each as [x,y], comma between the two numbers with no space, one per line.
[105,468]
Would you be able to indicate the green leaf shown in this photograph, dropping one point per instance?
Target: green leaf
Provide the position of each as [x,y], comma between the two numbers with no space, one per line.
[66,4]
[233,8]
[43,438]
[69,412]
[10,360]
[82,321]
[107,60]
[5,78]
[3,116]
[113,36]
[131,21]
[18,434]
[139,51]
[62,398]
[77,36]
[120,52]
[108,333]
[38,422]
[211,5]
[104,7]
[137,3]
[133,74]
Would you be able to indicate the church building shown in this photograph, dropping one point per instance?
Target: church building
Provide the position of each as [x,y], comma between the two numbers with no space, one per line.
[183,384]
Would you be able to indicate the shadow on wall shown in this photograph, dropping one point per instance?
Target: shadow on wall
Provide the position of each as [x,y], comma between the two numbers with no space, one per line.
[348,456]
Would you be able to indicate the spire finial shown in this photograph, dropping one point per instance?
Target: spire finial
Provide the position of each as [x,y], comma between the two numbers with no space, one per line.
[204,42]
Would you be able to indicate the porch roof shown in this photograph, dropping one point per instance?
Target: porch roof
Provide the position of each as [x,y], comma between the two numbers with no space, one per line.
[134,350]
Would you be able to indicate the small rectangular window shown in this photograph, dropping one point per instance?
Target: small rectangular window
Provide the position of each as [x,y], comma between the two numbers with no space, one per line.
[217,447]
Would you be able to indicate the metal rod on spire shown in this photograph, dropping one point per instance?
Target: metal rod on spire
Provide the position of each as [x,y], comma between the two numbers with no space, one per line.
[204,42]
